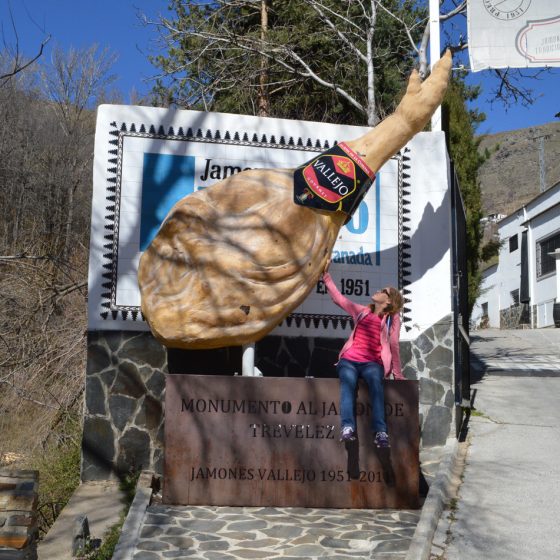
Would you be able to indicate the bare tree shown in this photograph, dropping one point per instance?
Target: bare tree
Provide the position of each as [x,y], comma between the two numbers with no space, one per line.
[74,82]
[40,331]
[263,98]
[224,48]
[46,147]
[217,54]
[14,62]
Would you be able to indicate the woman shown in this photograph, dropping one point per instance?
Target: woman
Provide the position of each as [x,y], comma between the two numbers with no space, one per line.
[371,352]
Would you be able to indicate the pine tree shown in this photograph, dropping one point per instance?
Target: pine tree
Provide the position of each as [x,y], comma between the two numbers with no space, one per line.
[463,146]
[315,70]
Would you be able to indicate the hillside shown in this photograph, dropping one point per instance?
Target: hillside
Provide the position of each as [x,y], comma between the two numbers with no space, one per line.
[511,175]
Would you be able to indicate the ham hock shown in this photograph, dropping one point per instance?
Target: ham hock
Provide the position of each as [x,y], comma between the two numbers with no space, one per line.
[230,262]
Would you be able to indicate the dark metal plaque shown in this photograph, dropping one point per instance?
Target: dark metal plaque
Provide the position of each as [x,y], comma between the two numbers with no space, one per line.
[274,441]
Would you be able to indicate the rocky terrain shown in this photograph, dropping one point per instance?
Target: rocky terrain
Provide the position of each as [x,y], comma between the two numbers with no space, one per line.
[511,175]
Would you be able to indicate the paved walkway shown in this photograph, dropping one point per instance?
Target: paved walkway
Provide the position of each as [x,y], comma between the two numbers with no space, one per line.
[101,502]
[228,533]
[525,352]
[224,533]
[508,505]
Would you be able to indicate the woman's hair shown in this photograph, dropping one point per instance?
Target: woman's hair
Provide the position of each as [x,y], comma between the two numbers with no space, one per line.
[396,301]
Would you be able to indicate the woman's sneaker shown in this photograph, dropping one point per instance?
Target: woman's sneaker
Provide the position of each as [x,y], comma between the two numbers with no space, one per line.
[382,440]
[347,434]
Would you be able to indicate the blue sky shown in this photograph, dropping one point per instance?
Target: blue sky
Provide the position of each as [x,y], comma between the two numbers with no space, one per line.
[81,23]
[115,24]
[499,119]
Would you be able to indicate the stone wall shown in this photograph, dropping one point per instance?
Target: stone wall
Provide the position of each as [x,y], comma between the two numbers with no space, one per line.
[125,380]
[515,317]
[123,424]
[534,311]
[18,514]
[430,359]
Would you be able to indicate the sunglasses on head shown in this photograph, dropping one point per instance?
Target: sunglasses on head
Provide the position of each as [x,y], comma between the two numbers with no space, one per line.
[386,292]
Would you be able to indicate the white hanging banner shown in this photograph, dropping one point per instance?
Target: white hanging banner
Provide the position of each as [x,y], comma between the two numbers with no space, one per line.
[513,33]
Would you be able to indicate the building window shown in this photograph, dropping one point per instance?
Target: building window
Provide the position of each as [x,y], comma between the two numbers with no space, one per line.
[545,262]
[515,297]
[513,243]
[484,309]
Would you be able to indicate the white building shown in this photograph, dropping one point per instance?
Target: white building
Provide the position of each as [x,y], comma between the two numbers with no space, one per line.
[521,289]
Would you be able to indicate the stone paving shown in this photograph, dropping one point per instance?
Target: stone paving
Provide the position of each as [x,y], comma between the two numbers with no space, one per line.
[232,533]
[224,533]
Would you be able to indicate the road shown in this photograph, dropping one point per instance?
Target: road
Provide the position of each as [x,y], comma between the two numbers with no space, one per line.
[508,504]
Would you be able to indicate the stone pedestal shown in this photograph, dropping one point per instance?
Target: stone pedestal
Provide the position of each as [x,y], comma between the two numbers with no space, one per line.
[18,514]
[242,441]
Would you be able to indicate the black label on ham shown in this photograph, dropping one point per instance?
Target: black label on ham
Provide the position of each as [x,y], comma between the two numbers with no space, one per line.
[336,180]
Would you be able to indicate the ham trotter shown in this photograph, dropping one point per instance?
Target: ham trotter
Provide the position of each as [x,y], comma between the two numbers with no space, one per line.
[230,262]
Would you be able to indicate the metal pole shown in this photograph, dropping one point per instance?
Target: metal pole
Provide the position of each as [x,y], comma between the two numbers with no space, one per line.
[435,50]
[248,360]
[542,168]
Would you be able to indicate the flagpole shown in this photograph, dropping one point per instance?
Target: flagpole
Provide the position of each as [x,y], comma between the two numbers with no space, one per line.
[435,49]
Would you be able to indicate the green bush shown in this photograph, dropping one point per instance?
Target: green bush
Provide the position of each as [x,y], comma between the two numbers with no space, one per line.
[107,548]
[111,537]
[491,249]
[58,463]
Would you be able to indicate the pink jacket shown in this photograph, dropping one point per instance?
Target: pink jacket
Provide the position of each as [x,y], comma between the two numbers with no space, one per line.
[390,353]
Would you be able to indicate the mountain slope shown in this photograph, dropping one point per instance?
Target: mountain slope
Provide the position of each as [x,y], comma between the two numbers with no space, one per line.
[511,175]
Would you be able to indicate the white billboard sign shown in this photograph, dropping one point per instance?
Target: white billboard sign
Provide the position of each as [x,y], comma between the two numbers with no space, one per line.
[513,33]
[146,159]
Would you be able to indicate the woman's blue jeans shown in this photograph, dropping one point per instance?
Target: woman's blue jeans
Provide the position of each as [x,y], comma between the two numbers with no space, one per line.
[349,372]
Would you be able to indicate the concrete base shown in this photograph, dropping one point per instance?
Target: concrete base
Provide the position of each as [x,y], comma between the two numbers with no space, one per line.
[101,502]
[443,489]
